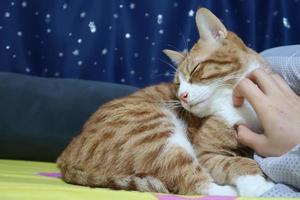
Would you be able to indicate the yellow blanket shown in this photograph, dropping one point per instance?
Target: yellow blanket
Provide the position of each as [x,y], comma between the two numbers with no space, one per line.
[40,180]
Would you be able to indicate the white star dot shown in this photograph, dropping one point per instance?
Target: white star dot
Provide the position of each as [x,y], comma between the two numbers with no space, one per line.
[7,47]
[167,73]
[159,18]
[104,51]
[275,12]
[146,14]
[191,13]
[60,54]
[36,13]
[110,27]
[95,63]
[226,10]
[79,63]
[75,52]
[19,33]
[121,58]
[286,23]
[152,58]
[24,4]
[132,6]
[27,69]
[188,39]
[147,38]
[127,35]
[14,56]
[121,6]
[136,54]
[79,40]
[115,15]
[65,6]
[48,18]
[161,31]
[175,4]
[12,3]
[132,72]
[123,80]
[56,74]
[83,14]
[92,27]
[248,21]
[1,27]
[70,34]
[7,14]
[46,70]
[153,43]
[48,30]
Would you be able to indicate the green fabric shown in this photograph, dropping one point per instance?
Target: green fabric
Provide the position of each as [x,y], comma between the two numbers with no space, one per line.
[39,116]
[25,180]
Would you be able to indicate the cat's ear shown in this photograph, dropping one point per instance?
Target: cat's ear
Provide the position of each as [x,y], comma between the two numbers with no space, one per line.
[175,56]
[209,26]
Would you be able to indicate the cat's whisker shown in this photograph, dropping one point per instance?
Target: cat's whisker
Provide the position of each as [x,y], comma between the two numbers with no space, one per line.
[177,49]
[170,101]
[173,106]
[185,43]
[165,75]
[169,64]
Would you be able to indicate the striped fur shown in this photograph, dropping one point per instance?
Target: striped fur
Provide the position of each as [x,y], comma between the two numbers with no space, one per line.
[149,142]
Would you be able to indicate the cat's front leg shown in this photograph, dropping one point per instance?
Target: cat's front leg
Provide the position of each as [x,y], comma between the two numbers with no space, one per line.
[242,172]
[252,185]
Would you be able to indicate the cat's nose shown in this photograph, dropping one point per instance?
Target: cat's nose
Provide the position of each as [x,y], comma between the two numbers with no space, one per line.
[183,96]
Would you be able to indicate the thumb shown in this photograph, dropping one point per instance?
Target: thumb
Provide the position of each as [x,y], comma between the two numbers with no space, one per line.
[255,141]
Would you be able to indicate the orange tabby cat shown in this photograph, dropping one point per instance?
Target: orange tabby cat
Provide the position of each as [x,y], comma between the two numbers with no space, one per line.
[176,137]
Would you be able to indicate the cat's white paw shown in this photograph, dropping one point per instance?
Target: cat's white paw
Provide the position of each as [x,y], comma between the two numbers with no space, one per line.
[222,190]
[253,185]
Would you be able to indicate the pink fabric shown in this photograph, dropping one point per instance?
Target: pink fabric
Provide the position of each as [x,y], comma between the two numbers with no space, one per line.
[174,197]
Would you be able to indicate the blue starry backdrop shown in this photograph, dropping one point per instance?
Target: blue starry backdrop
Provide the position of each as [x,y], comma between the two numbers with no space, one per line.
[121,41]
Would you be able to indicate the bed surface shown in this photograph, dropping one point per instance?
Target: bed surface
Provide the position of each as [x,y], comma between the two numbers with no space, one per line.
[41,180]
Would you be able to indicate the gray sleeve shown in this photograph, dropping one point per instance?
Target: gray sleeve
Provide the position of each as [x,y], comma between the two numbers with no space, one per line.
[284,169]
[285,61]
[281,190]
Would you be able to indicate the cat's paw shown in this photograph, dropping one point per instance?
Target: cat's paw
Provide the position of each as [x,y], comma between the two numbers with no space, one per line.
[222,190]
[253,185]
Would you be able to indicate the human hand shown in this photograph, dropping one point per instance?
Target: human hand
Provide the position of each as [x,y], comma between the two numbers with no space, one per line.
[278,109]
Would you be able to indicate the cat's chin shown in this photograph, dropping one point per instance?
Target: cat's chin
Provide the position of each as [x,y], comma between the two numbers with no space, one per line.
[200,110]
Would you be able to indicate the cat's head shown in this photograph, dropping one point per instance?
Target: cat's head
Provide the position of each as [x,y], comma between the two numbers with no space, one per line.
[216,62]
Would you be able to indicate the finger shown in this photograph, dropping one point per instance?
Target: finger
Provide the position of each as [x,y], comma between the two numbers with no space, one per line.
[263,79]
[251,139]
[284,87]
[246,88]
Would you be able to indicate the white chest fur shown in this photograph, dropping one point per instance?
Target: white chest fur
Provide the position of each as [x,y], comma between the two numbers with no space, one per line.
[222,106]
